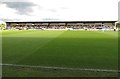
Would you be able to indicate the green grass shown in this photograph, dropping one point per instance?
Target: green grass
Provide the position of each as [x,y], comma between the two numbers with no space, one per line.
[71,49]
[39,72]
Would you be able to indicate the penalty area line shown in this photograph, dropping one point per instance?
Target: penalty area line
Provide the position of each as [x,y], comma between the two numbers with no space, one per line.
[62,68]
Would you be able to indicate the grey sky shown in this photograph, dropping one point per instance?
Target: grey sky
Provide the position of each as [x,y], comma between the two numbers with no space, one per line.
[77,10]
[21,7]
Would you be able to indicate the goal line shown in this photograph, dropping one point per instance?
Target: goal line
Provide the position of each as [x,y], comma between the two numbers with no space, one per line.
[62,68]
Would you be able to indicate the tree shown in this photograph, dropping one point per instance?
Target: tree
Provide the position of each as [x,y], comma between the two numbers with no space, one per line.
[118,25]
[2,26]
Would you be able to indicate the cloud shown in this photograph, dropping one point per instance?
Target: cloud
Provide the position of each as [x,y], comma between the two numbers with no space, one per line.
[37,10]
[52,10]
[21,7]
[51,19]
[5,19]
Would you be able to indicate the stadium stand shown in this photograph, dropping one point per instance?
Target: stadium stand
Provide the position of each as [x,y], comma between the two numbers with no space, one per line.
[62,25]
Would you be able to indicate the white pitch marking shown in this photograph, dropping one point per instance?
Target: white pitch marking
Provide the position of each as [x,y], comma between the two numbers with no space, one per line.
[63,68]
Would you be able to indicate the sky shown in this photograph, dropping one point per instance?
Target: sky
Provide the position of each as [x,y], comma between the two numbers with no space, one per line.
[59,10]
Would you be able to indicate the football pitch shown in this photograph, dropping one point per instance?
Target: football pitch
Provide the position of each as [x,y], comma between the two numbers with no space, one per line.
[45,53]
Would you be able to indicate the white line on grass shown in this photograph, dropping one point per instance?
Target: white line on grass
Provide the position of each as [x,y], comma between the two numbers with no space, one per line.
[63,68]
